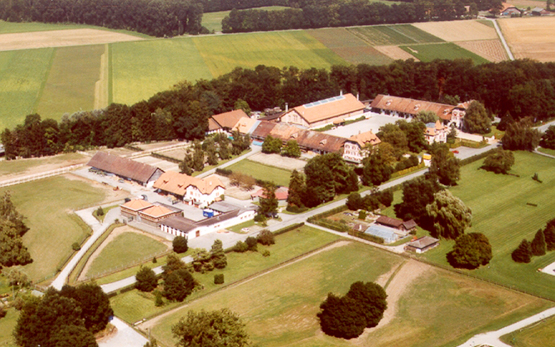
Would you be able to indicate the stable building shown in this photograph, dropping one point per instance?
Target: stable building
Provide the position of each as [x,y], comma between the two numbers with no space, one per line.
[155,214]
[323,112]
[422,244]
[132,208]
[125,168]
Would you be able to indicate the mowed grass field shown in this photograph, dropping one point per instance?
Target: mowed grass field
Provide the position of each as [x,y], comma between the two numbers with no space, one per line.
[71,81]
[20,166]
[124,250]
[439,307]
[538,334]
[22,78]
[382,35]
[430,52]
[213,20]
[261,171]
[7,325]
[500,211]
[47,205]
[132,306]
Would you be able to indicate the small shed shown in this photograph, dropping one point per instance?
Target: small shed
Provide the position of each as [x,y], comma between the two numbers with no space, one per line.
[387,234]
[421,245]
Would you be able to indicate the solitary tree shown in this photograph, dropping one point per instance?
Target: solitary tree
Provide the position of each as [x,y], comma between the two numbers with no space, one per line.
[221,328]
[268,200]
[523,253]
[218,255]
[146,279]
[500,161]
[538,245]
[449,215]
[179,244]
[470,251]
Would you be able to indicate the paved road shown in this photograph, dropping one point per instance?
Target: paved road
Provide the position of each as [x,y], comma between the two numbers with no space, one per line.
[492,338]
[500,34]
[544,127]
[125,336]
[98,230]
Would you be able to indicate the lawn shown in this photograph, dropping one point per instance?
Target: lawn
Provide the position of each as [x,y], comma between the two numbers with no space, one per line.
[124,250]
[7,324]
[131,306]
[429,52]
[349,46]
[222,53]
[213,20]
[22,78]
[438,308]
[141,69]
[70,85]
[393,35]
[546,150]
[22,165]
[264,172]
[539,334]
[500,211]
[47,205]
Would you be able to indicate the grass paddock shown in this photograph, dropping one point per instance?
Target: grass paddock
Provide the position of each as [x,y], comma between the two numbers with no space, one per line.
[264,172]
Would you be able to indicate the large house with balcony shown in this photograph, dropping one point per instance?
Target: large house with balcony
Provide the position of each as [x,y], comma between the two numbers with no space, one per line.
[356,147]
[192,190]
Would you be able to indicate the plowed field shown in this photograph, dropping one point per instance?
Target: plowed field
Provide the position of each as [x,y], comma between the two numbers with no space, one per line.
[492,50]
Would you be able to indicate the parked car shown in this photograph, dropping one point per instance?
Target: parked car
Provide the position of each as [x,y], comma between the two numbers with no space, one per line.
[145,198]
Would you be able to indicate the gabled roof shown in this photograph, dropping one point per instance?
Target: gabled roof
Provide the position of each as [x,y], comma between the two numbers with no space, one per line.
[423,242]
[122,166]
[157,211]
[312,140]
[229,119]
[328,108]
[392,222]
[365,138]
[281,193]
[411,106]
[213,125]
[409,224]
[137,205]
[177,183]
[245,125]
[263,129]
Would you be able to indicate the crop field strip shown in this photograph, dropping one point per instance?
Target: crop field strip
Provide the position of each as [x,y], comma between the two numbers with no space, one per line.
[500,211]
[448,50]
[530,37]
[282,310]
[382,35]
[491,50]
[467,30]
[70,86]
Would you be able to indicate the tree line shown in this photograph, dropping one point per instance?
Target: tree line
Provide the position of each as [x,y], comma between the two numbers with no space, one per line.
[349,13]
[151,17]
[505,89]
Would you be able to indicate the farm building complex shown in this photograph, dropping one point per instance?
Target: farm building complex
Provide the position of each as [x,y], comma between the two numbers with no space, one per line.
[143,174]
[193,191]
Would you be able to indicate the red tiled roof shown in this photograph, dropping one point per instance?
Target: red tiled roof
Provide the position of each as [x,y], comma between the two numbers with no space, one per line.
[329,108]
[228,119]
[388,221]
[137,205]
[122,166]
[411,106]
[177,183]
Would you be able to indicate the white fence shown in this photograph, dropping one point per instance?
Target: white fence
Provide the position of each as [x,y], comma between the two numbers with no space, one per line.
[38,176]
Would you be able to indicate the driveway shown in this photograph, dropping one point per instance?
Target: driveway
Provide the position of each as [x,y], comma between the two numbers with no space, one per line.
[126,336]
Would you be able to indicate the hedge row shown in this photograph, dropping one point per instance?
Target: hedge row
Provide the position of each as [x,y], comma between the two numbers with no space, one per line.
[327,213]
[165,157]
[133,148]
[408,170]
[331,224]
[367,237]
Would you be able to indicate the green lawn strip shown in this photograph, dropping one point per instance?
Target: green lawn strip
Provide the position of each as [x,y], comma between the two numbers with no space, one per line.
[261,171]
[124,250]
[381,35]
[430,52]
[486,22]
[21,165]
[7,325]
[240,265]
[500,211]
[223,53]
[109,51]
[12,28]
[280,309]
[213,20]
[141,69]
[22,75]
[541,333]
[237,228]
[70,86]
[220,163]
[104,210]
[74,275]
[546,150]
[47,205]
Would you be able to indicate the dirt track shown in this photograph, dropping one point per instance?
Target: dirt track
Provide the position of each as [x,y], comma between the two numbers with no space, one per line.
[60,38]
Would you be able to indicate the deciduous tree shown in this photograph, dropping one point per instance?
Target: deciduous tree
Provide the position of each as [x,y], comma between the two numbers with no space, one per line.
[500,161]
[476,119]
[292,149]
[219,258]
[146,279]
[445,167]
[521,136]
[449,215]
[548,138]
[271,145]
[470,251]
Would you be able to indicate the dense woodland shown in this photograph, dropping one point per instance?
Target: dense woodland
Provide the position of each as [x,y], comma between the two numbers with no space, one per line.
[511,90]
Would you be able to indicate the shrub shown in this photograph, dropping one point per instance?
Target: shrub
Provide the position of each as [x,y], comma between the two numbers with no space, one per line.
[100,211]
[146,279]
[179,244]
[260,218]
[266,237]
[76,246]
[362,215]
[219,279]
[154,261]
[158,299]
[240,247]
[252,243]
[266,253]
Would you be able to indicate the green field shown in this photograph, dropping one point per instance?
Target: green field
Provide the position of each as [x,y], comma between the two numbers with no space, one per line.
[124,250]
[393,35]
[12,28]
[437,308]
[264,172]
[538,334]
[7,324]
[70,84]
[22,165]
[141,69]
[349,46]
[213,20]
[547,150]
[132,306]
[22,77]
[449,51]
[498,203]
[47,205]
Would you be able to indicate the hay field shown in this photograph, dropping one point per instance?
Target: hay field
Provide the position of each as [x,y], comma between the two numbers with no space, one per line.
[437,309]
[500,211]
[22,77]
[381,35]
[491,50]
[60,38]
[349,46]
[141,69]
[394,52]
[466,30]
[530,37]
[70,86]
[448,50]
[289,48]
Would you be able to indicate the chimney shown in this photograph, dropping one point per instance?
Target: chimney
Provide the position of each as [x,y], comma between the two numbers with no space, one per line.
[286,107]
[341,92]
[358,96]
